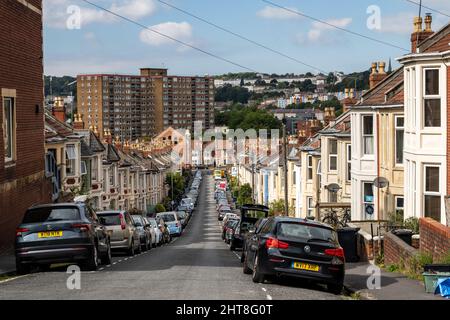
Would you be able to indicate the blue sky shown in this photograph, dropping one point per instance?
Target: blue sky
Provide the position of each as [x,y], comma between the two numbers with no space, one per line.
[104,44]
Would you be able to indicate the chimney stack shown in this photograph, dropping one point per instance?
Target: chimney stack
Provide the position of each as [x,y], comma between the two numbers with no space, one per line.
[78,123]
[419,35]
[378,74]
[59,110]
[107,136]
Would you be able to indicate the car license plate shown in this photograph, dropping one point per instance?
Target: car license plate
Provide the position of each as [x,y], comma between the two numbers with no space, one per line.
[50,234]
[305,266]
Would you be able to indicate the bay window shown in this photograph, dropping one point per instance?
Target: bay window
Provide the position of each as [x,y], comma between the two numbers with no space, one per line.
[432,197]
[368,137]
[71,156]
[368,200]
[333,154]
[432,100]
[349,162]
[310,167]
[399,134]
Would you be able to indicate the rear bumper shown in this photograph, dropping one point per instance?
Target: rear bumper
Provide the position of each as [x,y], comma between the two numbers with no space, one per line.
[332,274]
[53,254]
[174,231]
[120,244]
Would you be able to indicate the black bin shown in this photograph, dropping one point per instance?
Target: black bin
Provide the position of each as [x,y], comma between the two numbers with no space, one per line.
[404,234]
[347,237]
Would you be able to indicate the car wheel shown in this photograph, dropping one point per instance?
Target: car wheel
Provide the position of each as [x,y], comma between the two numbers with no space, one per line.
[139,249]
[91,264]
[22,268]
[335,288]
[242,256]
[245,267]
[107,257]
[232,247]
[257,276]
[131,248]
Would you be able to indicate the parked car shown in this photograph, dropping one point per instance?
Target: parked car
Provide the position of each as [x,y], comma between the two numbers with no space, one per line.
[229,215]
[226,226]
[124,235]
[152,232]
[185,208]
[182,217]
[144,233]
[158,232]
[230,230]
[59,233]
[223,211]
[298,248]
[164,229]
[171,220]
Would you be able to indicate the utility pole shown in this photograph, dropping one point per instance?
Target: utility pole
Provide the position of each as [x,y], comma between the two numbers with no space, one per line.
[285,151]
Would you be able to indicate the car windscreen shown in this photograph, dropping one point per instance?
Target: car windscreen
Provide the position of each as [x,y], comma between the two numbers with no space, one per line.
[137,221]
[305,232]
[110,219]
[153,223]
[181,214]
[167,217]
[51,214]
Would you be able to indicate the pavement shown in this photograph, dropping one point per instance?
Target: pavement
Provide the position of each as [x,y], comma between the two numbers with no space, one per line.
[197,265]
[393,286]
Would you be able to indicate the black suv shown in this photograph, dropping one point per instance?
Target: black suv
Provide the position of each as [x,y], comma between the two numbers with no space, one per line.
[298,248]
[61,233]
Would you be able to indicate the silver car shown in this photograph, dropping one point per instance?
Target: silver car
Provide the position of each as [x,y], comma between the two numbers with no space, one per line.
[124,235]
[143,229]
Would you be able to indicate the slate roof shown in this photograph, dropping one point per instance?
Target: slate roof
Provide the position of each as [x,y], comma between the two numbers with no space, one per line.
[86,151]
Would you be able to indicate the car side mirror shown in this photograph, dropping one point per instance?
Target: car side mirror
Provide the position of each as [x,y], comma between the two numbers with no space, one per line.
[159,226]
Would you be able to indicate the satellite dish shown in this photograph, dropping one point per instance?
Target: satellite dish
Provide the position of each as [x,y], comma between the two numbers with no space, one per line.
[381,182]
[333,187]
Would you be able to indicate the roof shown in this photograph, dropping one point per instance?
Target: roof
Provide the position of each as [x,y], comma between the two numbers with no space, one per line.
[438,42]
[56,131]
[94,143]
[86,151]
[387,93]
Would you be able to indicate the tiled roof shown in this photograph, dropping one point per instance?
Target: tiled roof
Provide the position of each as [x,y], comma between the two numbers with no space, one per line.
[86,151]
[387,92]
[55,129]
[95,144]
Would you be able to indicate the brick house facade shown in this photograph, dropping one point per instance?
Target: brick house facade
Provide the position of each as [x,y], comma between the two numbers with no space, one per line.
[22,163]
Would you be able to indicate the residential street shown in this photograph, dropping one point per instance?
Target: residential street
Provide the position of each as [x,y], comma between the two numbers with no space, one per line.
[198,265]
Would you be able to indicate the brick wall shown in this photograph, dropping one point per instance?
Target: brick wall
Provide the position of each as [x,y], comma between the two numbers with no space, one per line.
[448,131]
[434,238]
[398,252]
[23,183]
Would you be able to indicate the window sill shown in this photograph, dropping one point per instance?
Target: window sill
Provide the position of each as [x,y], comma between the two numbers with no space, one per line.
[9,164]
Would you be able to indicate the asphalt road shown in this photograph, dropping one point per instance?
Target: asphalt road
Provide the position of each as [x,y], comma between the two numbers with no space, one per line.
[197,265]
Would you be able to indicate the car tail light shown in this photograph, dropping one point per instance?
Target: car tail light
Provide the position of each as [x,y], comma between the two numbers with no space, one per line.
[82,226]
[275,243]
[19,231]
[336,253]
[122,222]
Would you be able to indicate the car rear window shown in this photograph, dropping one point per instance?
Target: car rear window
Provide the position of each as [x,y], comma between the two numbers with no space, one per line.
[51,214]
[110,219]
[305,232]
[167,217]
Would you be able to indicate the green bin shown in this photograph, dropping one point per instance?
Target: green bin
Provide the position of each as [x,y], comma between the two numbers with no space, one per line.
[430,280]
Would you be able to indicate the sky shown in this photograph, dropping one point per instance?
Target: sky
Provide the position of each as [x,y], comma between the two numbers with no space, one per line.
[79,38]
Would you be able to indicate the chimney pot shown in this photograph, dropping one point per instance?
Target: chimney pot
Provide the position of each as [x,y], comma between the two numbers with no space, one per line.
[417,24]
[374,68]
[381,66]
[428,22]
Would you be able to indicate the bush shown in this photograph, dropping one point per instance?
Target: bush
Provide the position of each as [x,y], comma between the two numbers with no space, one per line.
[160,208]
[412,224]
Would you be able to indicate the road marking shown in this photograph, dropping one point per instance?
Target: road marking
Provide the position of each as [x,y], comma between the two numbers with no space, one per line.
[101,269]
[269,297]
[13,278]
[108,266]
[237,256]
[264,289]
[114,262]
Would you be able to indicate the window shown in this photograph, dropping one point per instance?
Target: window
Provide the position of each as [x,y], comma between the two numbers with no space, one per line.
[349,162]
[83,168]
[332,146]
[368,200]
[94,169]
[310,207]
[332,196]
[310,167]
[432,196]
[71,156]
[293,177]
[399,133]
[368,140]
[9,128]
[112,177]
[399,205]
[432,100]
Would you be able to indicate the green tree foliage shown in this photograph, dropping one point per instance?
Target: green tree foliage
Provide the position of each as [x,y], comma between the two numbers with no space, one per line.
[241,117]
[230,93]
[178,184]
[245,194]
[160,208]
[358,79]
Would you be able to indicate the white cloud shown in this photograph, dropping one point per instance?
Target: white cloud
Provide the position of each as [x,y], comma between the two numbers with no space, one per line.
[270,12]
[321,33]
[401,23]
[56,11]
[179,30]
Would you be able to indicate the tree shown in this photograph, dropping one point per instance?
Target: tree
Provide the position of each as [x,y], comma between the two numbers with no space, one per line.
[245,194]
[242,82]
[230,93]
[178,184]
[160,208]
